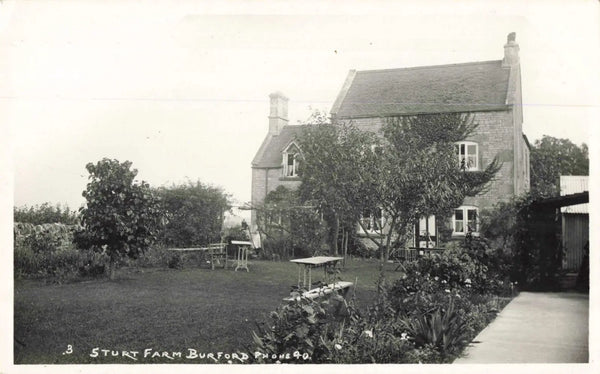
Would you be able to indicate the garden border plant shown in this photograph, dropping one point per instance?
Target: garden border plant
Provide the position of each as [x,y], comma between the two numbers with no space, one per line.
[429,315]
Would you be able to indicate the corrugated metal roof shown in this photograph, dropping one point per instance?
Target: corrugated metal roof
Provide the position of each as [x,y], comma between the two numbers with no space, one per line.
[570,184]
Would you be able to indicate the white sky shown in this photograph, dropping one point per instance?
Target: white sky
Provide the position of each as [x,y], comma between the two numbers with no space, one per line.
[181,88]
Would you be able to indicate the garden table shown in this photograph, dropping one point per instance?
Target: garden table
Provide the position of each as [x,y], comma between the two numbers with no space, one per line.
[242,254]
[313,262]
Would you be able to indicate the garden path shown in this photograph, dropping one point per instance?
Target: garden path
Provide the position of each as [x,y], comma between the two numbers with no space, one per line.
[535,328]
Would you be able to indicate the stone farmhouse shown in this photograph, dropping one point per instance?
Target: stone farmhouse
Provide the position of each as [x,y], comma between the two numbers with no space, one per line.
[488,90]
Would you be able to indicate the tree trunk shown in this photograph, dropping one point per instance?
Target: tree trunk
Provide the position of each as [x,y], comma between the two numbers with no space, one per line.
[345,244]
[335,234]
[389,239]
[112,267]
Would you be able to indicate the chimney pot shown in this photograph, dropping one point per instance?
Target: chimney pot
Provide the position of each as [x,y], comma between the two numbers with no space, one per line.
[511,51]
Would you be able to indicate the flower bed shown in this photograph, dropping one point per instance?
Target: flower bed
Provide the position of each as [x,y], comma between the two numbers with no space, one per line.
[428,316]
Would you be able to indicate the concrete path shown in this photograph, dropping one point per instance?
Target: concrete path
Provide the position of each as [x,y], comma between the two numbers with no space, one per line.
[535,328]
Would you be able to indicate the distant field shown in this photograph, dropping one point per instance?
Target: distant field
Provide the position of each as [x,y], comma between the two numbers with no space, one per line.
[163,309]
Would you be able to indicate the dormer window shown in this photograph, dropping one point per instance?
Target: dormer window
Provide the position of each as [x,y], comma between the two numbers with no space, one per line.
[468,155]
[291,161]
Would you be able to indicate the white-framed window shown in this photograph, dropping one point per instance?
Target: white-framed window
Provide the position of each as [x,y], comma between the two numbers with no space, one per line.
[464,220]
[427,233]
[291,161]
[468,155]
[371,221]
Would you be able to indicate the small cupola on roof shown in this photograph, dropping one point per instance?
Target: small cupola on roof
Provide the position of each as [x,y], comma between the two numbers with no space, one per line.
[278,116]
[511,51]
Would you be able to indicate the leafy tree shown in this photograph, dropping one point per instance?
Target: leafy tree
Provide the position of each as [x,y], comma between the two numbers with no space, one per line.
[337,162]
[409,170]
[551,158]
[122,217]
[419,174]
[45,213]
[283,219]
[195,213]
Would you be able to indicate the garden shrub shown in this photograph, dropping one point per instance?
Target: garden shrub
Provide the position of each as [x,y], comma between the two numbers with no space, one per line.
[418,319]
[444,329]
[175,261]
[48,237]
[328,335]
[26,262]
[47,251]
[234,233]
[301,325]
[194,211]
[56,266]
[288,228]
[454,265]
[155,256]
[529,234]
[358,248]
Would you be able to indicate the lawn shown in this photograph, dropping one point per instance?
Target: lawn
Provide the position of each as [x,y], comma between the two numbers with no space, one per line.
[163,309]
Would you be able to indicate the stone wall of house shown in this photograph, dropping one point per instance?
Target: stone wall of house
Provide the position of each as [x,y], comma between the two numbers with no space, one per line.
[265,180]
[496,137]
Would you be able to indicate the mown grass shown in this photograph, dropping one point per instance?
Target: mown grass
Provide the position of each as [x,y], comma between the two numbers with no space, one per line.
[163,309]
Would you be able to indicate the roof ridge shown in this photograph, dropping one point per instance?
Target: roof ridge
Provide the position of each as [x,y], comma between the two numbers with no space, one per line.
[429,66]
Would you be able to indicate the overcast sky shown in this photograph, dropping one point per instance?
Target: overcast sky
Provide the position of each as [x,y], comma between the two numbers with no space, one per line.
[181,88]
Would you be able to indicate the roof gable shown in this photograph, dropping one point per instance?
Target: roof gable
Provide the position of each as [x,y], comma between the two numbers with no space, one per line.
[270,153]
[475,86]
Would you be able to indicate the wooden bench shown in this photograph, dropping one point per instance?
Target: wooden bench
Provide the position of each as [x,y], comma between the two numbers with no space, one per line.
[214,252]
[340,286]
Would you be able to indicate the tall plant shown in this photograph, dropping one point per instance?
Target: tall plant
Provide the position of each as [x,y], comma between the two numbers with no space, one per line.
[337,161]
[409,170]
[122,217]
[195,213]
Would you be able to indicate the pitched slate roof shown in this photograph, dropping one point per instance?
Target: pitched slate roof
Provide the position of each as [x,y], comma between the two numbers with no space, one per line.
[269,153]
[474,86]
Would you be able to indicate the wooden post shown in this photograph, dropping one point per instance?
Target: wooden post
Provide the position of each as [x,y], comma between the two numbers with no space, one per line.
[345,244]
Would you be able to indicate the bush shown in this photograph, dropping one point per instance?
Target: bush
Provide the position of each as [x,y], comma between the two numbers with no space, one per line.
[47,251]
[420,319]
[454,265]
[470,263]
[444,329]
[357,248]
[333,331]
[57,266]
[194,211]
[234,233]
[302,325]
[155,256]
[45,213]
[446,299]
[276,249]
[530,234]
[287,227]
[48,237]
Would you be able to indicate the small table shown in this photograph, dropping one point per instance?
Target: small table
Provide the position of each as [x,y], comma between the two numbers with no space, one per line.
[313,262]
[242,254]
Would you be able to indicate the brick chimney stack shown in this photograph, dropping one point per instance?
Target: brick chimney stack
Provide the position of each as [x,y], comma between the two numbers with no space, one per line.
[511,51]
[278,117]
